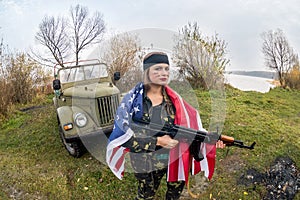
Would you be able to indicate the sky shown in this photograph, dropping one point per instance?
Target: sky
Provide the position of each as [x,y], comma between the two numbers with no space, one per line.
[239,22]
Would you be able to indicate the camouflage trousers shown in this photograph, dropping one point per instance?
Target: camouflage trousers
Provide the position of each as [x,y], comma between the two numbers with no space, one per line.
[148,184]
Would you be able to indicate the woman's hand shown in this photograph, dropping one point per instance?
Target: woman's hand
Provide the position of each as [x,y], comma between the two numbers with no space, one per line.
[220,144]
[166,142]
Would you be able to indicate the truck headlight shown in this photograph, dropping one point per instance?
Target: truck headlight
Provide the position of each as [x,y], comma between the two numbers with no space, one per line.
[80,119]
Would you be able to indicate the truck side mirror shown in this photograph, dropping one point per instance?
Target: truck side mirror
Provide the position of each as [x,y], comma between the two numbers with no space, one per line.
[56,84]
[117,76]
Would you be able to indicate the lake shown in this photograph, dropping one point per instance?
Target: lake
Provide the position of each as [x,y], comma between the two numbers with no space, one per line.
[249,83]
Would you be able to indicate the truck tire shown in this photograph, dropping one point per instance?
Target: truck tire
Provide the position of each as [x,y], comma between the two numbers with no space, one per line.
[74,148]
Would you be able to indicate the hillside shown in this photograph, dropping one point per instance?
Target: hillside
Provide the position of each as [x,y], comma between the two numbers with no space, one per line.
[35,165]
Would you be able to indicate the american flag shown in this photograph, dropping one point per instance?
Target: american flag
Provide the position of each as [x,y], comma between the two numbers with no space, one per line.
[180,160]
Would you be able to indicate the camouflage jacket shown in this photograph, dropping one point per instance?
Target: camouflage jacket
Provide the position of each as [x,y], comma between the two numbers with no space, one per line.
[145,155]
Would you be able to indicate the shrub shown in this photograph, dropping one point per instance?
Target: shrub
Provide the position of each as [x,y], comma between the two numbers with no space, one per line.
[293,78]
[19,79]
[5,97]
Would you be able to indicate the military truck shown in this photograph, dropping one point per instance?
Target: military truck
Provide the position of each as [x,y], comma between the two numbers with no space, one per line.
[85,101]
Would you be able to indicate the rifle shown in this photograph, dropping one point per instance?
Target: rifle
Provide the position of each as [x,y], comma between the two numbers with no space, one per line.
[195,137]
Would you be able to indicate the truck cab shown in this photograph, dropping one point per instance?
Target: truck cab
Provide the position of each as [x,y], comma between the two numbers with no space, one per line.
[85,101]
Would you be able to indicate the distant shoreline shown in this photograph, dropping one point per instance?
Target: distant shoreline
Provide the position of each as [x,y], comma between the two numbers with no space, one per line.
[261,74]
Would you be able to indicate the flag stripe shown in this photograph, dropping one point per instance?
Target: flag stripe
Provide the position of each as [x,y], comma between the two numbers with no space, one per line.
[117,157]
[173,167]
[181,175]
[120,162]
[113,153]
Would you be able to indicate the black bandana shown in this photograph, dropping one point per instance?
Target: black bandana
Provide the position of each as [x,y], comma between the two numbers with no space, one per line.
[155,59]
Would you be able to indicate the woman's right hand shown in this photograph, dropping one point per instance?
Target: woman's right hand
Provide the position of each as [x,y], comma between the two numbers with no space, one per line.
[166,142]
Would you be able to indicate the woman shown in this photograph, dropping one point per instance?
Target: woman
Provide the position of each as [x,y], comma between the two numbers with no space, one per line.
[153,153]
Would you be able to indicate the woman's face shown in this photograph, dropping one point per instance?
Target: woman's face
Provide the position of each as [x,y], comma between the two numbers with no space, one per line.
[159,74]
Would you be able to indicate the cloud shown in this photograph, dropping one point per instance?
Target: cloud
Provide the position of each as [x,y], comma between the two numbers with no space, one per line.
[10,6]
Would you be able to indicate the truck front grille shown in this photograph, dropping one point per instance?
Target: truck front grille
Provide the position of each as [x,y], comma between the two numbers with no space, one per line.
[107,108]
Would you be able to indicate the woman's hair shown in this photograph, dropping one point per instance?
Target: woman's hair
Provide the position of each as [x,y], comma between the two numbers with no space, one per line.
[146,78]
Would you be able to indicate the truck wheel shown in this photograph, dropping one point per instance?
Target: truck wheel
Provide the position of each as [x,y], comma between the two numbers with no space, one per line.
[75,148]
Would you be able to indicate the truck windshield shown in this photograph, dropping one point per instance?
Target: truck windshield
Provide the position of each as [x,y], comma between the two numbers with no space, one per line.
[80,73]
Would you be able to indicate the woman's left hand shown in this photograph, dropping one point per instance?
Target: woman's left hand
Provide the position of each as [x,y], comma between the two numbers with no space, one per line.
[220,144]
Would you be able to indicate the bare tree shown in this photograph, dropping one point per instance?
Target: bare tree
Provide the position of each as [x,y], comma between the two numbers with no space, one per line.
[64,40]
[53,35]
[86,30]
[201,59]
[279,55]
[122,55]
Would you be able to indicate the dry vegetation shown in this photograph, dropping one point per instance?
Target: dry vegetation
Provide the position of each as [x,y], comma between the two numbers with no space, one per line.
[293,78]
[21,80]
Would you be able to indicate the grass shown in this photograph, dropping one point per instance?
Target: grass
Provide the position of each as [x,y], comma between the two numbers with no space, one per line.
[35,165]
[272,120]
